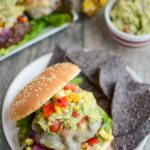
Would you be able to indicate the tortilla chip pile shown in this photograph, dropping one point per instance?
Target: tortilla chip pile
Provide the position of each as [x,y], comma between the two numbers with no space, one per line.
[125,100]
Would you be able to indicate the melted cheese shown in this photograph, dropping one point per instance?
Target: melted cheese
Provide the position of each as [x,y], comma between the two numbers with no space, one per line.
[70,139]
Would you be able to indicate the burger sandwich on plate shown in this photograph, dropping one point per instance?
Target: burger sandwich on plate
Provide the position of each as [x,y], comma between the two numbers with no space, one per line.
[52,112]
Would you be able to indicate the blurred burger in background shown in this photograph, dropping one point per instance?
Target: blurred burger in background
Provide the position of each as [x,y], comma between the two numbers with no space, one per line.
[38,8]
[13,23]
[23,20]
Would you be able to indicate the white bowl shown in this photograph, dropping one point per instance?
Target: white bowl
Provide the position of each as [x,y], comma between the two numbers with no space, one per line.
[124,36]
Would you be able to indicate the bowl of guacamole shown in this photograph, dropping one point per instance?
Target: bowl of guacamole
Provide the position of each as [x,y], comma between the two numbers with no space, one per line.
[129,19]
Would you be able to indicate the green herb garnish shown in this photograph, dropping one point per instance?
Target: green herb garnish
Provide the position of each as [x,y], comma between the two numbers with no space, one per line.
[77,81]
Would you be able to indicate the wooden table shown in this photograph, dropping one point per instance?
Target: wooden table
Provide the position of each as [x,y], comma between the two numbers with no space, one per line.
[86,33]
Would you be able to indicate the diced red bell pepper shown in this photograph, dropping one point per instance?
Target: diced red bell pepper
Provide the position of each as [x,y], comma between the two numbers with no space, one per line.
[75,114]
[20,19]
[48,110]
[55,127]
[126,29]
[71,87]
[93,141]
[62,102]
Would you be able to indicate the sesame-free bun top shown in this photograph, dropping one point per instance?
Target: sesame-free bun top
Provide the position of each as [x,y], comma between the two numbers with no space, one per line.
[41,89]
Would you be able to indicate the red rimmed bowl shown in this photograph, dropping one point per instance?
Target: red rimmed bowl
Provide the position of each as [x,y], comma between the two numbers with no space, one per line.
[125,39]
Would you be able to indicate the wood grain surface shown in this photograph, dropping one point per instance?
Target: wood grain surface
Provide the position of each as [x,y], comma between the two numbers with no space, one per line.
[87,33]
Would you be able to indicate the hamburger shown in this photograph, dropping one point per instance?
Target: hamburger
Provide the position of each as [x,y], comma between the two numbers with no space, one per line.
[37,9]
[54,113]
[13,23]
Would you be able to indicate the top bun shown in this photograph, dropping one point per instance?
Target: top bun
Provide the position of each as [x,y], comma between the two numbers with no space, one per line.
[41,89]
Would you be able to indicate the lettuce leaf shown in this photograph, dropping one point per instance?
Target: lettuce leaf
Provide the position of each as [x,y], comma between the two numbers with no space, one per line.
[58,19]
[106,121]
[24,126]
[106,124]
[77,81]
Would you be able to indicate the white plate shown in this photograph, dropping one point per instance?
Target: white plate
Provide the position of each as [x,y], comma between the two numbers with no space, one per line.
[25,76]
[46,33]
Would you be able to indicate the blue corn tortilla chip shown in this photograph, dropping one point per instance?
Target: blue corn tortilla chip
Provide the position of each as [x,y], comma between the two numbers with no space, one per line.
[132,140]
[110,71]
[60,55]
[89,62]
[130,106]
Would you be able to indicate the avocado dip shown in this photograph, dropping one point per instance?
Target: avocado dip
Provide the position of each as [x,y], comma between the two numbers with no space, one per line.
[132,16]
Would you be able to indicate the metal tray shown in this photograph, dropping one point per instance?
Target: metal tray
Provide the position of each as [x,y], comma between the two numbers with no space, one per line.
[49,31]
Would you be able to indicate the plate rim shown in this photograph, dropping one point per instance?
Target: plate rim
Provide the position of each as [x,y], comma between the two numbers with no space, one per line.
[130,71]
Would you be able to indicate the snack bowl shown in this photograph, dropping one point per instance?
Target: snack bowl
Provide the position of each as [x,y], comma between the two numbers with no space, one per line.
[121,37]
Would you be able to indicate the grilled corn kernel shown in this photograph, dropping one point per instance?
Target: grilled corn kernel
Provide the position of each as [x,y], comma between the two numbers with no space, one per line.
[74,97]
[104,134]
[103,2]
[84,146]
[1,23]
[76,107]
[29,141]
[25,19]
[58,110]
[70,100]
[88,7]
[65,109]
[28,148]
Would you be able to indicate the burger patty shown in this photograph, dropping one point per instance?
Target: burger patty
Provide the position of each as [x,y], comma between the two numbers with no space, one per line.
[14,35]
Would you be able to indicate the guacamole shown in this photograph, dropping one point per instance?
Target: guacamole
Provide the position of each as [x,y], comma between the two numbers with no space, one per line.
[86,107]
[132,16]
